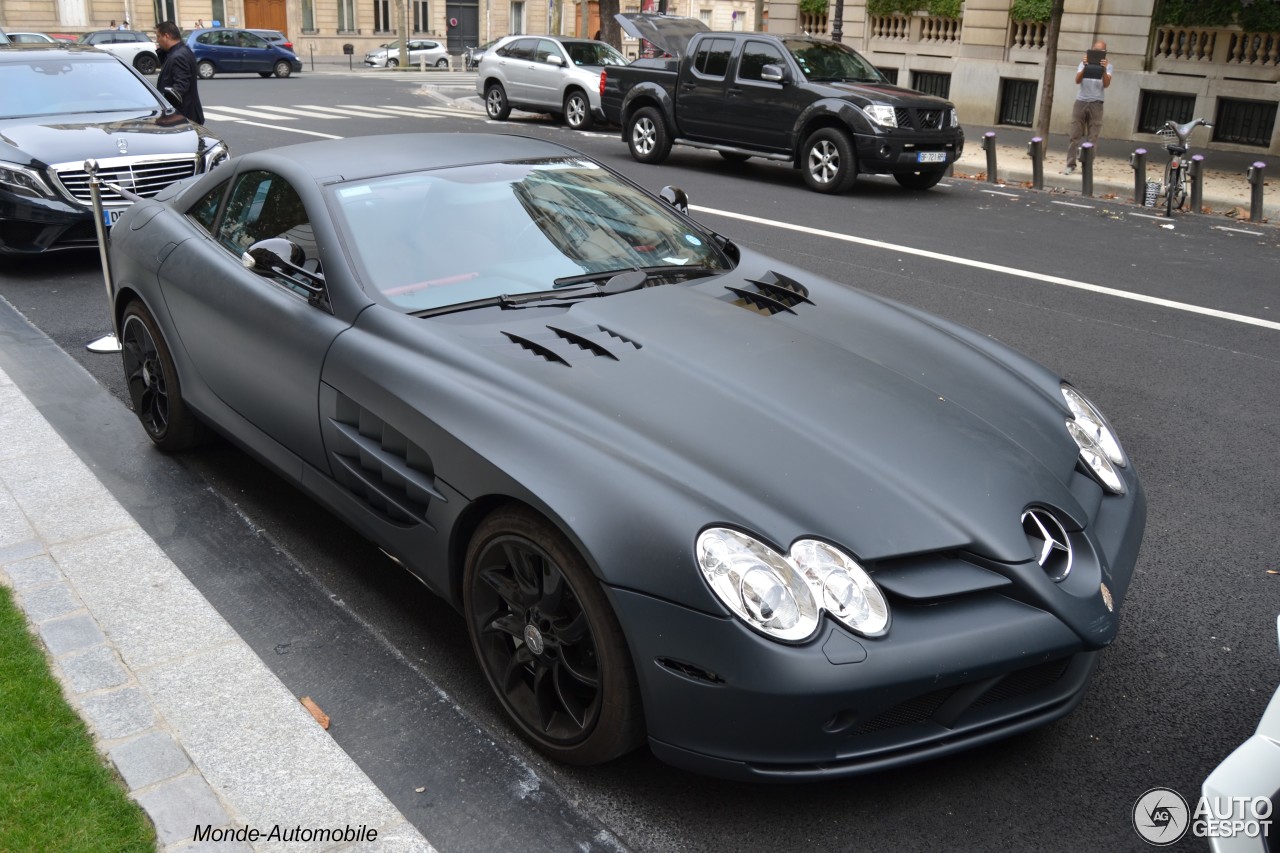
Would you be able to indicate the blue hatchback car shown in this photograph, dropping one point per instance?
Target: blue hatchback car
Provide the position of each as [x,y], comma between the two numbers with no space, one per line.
[229,51]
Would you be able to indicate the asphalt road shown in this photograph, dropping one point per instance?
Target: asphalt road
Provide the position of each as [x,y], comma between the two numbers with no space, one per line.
[1157,324]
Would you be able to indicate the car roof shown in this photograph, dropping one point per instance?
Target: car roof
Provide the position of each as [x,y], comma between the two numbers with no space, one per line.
[16,53]
[360,157]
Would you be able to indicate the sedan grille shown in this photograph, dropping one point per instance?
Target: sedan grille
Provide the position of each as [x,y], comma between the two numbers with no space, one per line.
[144,176]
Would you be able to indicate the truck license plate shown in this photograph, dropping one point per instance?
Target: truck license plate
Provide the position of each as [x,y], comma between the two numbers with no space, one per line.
[931,157]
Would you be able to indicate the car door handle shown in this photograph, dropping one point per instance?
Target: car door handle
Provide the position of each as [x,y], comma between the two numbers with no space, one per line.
[734,90]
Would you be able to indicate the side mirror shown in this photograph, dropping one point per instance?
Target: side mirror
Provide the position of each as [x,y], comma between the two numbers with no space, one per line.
[773,74]
[552,59]
[675,197]
[267,257]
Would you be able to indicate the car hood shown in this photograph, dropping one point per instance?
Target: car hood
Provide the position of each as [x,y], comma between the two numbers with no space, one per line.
[76,137]
[881,93]
[671,34]
[849,419]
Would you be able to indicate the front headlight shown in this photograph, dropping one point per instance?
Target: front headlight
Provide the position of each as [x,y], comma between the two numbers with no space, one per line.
[783,596]
[955,118]
[214,154]
[20,180]
[882,114]
[1099,447]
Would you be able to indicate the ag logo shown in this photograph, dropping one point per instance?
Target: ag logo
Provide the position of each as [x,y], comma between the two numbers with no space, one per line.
[1161,816]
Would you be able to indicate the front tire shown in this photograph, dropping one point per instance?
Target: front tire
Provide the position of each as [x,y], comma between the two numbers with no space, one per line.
[647,136]
[153,384]
[548,641]
[919,180]
[283,69]
[145,63]
[393,63]
[495,102]
[577,111]
[205,69]
[828,162]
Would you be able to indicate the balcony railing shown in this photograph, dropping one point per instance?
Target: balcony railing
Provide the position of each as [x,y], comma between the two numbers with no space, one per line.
[921,29]
[1217,45]
[1027,35]
[814,24]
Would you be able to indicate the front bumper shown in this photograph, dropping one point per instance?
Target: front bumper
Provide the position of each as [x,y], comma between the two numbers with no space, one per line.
[897,152]
[30,226]
[967,667]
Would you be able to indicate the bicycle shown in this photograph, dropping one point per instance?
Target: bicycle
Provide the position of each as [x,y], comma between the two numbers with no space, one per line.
[1176,173]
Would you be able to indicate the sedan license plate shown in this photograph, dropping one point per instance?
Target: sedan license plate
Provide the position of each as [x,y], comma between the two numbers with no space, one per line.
[111,216]
[931,157]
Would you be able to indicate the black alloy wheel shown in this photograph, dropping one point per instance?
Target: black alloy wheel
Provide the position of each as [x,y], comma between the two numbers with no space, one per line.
[548,641]
[145,63]
[153,383]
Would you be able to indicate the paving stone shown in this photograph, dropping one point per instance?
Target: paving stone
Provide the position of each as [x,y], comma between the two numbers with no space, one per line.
[96,669]
[49,602]
[402,838]
[27,433]
[70,634]
[15,532]
[179,806]
[212,847]
[33,568]
[148,759]
[119,713]
[60,497]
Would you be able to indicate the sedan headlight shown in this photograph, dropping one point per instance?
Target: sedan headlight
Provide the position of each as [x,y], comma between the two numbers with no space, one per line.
[783,596]
[1099,447]
[23,181]
[214,154]
[882,114]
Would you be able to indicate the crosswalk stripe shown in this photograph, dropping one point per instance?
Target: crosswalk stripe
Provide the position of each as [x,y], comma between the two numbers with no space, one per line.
[264,112]
[399,111]
[309,113]
[350,110]
[254,113]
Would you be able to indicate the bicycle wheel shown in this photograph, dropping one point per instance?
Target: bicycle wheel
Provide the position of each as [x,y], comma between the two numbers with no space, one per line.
[1172,189]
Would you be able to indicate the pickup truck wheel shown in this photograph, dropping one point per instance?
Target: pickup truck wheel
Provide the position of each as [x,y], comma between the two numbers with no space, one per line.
[828,161]
[647,137]
[205,70]
[919,180]
[495,102]
[577,111]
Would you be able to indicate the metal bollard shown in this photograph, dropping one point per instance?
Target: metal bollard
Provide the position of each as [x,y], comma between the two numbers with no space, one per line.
[989,146]
[109,342]
[1035,150]
[1086,169]
[1138,160]
[1195,171]
[1256,180]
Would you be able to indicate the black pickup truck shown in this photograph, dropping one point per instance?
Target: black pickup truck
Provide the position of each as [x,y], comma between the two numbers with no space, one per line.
[814,103]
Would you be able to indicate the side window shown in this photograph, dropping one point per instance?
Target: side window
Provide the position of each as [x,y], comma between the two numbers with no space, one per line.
[262,205]
[547,49]
[712,59]
[522,49]
[252,40]
[755,56]
[205,210]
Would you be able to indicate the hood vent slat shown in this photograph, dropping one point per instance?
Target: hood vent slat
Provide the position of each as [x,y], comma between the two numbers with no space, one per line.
[774,294]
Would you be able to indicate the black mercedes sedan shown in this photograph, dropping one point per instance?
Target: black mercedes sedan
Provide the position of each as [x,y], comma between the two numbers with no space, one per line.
[61,105]
[681,493]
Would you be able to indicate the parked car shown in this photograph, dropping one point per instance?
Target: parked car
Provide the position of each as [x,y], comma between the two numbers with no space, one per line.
[552,74]
[223,50]
[680,492]
[4,37]
[64,104]
[471,56]
[130,45]
[31,38]
[275,37]
[420,50]
[817,104]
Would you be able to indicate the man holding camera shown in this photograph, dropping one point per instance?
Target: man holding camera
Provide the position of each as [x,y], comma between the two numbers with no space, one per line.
[177,78]
[1093,76]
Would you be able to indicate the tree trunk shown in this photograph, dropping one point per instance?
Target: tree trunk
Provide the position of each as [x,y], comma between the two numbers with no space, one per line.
[1050,70]
[609,29]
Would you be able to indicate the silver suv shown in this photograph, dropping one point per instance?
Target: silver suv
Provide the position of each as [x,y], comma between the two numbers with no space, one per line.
[550,74]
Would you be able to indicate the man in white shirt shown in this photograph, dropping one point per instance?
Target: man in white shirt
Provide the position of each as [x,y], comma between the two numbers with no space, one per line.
[1086,116]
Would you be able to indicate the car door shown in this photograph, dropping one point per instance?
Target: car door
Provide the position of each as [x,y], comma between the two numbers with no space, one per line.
[700,90]
[259,342]
[256,53]
[760,113]
[546,73]
[517,64]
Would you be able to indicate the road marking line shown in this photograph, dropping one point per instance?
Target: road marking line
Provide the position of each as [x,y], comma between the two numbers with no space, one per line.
[347,112]
[983,265]
[253,113]
[1147,216]
[296,111]
[1073,204]
[1238,230]
[997,192]
[290,129]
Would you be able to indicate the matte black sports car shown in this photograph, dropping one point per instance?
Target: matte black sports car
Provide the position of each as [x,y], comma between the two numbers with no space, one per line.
[680,491]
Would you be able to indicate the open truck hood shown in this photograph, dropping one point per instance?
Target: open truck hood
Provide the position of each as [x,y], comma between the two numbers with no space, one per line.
[670,33]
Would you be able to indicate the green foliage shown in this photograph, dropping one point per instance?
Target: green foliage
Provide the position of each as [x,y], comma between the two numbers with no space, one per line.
[1258,16]
[1036,11]
[813,7]
[938,8]
[58,794]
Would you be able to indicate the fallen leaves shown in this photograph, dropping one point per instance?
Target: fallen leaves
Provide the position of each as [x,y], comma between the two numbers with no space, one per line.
[320,716]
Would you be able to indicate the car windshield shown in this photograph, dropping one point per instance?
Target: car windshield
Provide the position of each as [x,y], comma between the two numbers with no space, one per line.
[593,53]
[822,60]
[56,86]
[447,236]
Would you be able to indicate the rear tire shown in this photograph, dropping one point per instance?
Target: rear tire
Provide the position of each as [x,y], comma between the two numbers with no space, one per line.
[919,180]
[495,102]
[577,111]
[153,386]
[442,62]
[647,136]
[828,162]
[145,63]
[205,69]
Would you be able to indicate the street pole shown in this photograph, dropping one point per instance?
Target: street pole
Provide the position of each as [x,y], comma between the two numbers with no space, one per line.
[837,26]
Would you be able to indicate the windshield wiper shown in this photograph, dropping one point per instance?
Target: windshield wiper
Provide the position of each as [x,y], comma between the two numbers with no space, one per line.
[616,283]
[620,281]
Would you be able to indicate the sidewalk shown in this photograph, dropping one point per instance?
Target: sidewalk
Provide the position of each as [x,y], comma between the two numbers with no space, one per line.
[204,736]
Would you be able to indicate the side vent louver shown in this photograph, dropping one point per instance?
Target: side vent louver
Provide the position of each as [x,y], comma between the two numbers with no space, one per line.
[563,346]
[773,294]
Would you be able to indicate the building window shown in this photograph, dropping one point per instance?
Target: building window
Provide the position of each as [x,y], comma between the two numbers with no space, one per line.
[421,18]
[890,74]
[164,10]
[517,17]
[1155,108]
[308,15]
[1245,122]
[1017,102]
[931,83]
[382,16]
[705,16]
[219,11]
[346,16]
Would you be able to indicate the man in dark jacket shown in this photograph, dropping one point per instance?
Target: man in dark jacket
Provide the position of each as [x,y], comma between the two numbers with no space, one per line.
[177,78]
